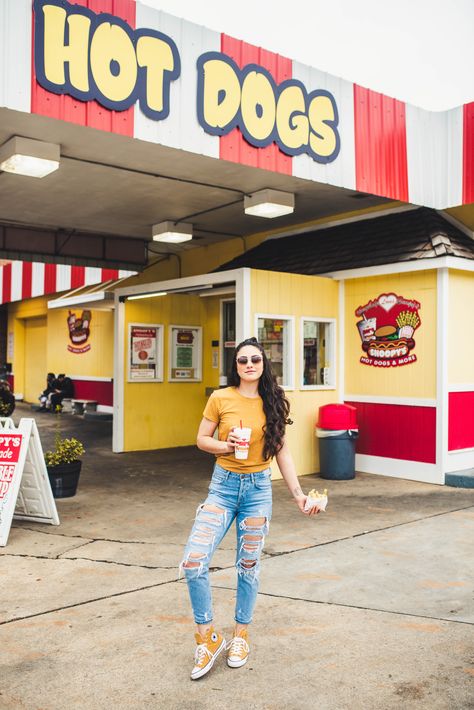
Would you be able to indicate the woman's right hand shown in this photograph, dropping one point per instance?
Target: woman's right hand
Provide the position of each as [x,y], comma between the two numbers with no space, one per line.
[231,442]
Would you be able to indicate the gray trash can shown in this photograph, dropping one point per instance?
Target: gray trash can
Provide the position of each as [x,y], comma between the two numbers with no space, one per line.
[337,453]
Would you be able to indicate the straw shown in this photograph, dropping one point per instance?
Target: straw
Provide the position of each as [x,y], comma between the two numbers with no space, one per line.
[241,424]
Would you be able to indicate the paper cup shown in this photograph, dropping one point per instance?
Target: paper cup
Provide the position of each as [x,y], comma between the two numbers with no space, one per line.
[242,447]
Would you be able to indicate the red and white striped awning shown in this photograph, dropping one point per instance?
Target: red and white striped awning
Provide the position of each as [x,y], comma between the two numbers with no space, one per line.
[20,280]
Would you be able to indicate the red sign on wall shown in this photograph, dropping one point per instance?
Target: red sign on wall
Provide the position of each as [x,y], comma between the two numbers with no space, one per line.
[387,327]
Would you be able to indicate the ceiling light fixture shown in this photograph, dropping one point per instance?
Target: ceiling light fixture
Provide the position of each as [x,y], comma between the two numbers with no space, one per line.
[25,156]
[172,232]
[147,295]
[269,203]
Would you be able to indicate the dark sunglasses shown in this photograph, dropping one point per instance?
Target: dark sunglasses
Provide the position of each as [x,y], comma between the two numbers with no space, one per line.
[243,360]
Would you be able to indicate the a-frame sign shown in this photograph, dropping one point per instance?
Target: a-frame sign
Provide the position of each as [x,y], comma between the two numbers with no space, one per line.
[25,491]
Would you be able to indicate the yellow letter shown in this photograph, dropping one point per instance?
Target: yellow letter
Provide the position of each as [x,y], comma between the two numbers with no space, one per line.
[322,138]
[221,94]
[292,122]
[56,53]
[258,105]
[156,55]
[111,43]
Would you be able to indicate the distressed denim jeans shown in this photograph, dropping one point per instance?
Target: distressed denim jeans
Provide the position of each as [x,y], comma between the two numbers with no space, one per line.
[247,499]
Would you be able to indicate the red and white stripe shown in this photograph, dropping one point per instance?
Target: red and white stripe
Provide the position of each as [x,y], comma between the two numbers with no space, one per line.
[23,279]
[388,148]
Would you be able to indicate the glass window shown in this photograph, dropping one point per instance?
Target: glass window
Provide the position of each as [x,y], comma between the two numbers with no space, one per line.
[318,353]
[274,335]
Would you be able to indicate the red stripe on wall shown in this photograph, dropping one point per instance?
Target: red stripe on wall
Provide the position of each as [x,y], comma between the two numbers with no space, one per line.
[78,276]
[233,146]
[468,154]
[109,274]
[7,283]
[396,431]
[50,278]
[27,276]
[102,392]
[461,420]
[90,114]
[380,144]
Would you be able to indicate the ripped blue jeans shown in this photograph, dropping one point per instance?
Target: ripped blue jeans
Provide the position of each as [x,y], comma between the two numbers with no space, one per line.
[247,499]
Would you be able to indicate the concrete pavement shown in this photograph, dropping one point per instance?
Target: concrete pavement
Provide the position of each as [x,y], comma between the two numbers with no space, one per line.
[369,606]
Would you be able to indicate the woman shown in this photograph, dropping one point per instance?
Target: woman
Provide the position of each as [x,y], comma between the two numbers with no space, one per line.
[240,490]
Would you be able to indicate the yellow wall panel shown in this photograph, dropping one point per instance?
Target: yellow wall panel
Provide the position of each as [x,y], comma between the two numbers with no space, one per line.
[35,358]
[297,295]
[164,414]
[461,333]
[416,379]
[96,362]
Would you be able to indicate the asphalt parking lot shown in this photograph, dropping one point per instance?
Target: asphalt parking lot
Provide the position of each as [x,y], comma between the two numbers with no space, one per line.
[368,606]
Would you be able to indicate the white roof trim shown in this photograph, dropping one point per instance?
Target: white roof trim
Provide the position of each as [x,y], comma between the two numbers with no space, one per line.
[440,262]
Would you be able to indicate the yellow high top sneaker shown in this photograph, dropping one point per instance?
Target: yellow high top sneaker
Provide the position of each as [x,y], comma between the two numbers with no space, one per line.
[207,650]
[238,650]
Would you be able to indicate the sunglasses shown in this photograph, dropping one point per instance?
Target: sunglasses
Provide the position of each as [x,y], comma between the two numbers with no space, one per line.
[243,360]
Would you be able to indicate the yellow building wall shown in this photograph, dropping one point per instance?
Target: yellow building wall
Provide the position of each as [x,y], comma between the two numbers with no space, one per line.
[416,379]
[35,357]
[165,414]
[296,295]
[18,312]
[50,348]
[96,362]
[461,334]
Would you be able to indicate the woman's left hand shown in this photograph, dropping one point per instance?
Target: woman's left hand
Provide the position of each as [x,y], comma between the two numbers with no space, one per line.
[300,502]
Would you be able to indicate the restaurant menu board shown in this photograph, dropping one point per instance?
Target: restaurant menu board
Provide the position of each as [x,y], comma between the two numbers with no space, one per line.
[185,353]
[145,353]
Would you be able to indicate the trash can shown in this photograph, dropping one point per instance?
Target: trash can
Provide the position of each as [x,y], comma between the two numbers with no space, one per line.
[337,432]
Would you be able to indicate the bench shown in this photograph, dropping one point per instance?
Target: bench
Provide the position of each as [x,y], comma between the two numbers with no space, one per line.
[79,406]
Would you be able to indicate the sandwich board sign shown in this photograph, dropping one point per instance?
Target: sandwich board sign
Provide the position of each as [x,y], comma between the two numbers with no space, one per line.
[25,491]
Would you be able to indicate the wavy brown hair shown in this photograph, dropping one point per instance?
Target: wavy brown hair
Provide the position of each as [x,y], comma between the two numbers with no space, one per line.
[275,405]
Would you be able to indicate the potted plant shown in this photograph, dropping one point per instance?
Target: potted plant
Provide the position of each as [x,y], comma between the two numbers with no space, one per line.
[64,463]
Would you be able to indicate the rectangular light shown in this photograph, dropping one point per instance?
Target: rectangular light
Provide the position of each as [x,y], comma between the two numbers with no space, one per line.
[269,203]
[172,232]
[25,156]
[147,295]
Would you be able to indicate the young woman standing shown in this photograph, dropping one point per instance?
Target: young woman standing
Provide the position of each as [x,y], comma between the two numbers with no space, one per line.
[240,490]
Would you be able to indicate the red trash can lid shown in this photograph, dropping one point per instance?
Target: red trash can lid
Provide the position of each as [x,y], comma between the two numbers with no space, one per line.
[337,416]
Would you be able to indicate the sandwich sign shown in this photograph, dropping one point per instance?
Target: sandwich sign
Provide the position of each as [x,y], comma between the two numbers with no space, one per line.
[25,491]
[387,328]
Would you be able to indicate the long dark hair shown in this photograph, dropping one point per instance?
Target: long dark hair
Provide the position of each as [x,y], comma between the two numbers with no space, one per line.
[275,404]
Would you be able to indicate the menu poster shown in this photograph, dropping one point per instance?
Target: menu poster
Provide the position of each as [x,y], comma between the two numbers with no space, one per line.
[185,355]
[145,353]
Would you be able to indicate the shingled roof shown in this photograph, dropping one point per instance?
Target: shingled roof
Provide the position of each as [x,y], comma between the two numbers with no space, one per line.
[402,236]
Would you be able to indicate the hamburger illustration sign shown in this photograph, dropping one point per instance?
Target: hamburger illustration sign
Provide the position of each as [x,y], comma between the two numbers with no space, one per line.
[387,328]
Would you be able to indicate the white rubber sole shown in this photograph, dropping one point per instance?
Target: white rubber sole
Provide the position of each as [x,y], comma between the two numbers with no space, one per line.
[206,669]
[237,664]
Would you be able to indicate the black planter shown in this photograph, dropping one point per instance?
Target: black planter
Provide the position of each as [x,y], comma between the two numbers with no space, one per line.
[64,478]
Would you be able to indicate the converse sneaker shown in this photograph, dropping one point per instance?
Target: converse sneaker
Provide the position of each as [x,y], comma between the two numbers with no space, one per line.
[207,649]
[238,650]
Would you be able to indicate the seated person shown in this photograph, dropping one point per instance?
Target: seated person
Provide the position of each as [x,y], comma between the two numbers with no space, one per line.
[51,385]
[7,399]
[64,388]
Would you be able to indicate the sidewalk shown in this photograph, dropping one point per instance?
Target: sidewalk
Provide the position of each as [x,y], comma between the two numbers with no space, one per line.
[369,606]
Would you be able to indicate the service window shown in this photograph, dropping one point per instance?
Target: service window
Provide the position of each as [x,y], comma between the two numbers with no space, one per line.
[185,360]
[318,353]
[275,333]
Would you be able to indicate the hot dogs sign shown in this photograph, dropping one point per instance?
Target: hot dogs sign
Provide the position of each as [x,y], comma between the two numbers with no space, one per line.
[387,328]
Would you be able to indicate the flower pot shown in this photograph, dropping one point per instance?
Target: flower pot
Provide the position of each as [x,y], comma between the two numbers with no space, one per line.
[64,478]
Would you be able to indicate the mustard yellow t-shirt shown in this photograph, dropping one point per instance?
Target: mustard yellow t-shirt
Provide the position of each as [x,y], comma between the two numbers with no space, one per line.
[227,407]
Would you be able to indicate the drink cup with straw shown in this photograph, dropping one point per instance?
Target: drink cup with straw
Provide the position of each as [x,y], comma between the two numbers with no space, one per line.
[243,443]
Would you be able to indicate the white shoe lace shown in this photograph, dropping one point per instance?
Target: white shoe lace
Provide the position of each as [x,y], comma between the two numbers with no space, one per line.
[238,646]
[200,654]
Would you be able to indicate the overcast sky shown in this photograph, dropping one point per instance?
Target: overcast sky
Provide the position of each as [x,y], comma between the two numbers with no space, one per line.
[420,51]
